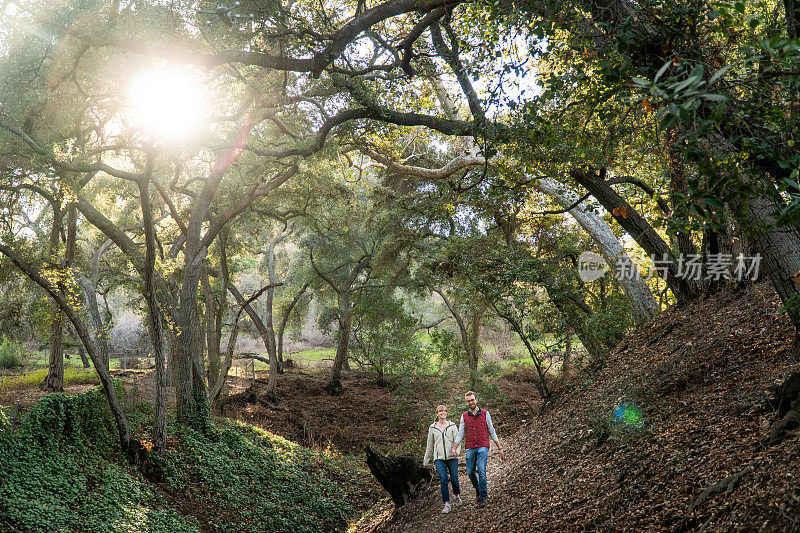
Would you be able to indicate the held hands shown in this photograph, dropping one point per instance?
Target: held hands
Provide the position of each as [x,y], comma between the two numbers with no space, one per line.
[454,451]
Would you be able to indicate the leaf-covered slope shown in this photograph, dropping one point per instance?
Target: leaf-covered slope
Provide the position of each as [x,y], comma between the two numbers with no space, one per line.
[632,446]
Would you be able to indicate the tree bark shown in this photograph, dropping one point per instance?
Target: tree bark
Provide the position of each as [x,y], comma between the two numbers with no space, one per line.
[259,324]
[216,388]
[345,325]
[642,303]
[81,349]
[212,315]
[595,350]
[55,364]
[792,18]
[638,228]
[778,245]
[285,320]
[271,347]
[541,384]
[95,322]
[153,318]
[345,319]
[470,344]
[474,353]
[191,392]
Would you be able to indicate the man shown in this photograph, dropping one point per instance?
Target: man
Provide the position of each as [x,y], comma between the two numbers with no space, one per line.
[476,426]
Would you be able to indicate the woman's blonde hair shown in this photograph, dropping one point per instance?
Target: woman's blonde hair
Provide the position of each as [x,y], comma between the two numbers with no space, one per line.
[436,416]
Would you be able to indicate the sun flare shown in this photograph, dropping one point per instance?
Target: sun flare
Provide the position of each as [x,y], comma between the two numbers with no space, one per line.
[166,104]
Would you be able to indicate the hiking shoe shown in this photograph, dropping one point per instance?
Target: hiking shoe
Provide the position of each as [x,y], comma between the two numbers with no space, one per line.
[446,508]
[481,502]
[459,501]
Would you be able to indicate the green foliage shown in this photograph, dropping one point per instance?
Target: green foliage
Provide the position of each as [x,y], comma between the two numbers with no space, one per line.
[268,483]
[384,337]
[326,319]
[63,471]
[489,393]
[444,345]
[608,324]
[490,369]
[10,353]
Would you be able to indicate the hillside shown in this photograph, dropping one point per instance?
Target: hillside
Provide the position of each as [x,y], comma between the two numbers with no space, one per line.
[62,470]
[631,446]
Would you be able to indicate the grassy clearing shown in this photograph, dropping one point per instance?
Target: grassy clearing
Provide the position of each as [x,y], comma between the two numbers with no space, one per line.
[314,358]
[30,380]
[310,359]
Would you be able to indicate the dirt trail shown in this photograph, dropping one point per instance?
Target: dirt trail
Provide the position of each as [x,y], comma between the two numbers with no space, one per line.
[424,512]
[633,445]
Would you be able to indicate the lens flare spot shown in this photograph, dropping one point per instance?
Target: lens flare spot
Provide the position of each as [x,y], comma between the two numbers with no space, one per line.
[630,415]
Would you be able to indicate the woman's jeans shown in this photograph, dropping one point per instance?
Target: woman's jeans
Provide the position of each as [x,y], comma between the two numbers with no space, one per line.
[477,457]
[442,468]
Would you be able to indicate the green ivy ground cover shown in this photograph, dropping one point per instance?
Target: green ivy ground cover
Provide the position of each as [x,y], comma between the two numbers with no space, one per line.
[63,471]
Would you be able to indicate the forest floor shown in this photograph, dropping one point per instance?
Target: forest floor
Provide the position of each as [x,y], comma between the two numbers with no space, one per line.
[367,413]
[676,408]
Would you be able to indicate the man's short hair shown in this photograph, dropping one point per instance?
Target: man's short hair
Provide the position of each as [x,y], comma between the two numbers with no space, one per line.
[470,393]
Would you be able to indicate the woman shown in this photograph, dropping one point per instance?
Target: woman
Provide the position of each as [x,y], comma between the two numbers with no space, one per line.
[441,435]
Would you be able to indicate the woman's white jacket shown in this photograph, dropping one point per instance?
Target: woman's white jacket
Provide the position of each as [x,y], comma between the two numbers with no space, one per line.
[440,443]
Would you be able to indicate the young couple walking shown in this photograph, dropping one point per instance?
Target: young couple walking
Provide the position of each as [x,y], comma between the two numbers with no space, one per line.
[444,440]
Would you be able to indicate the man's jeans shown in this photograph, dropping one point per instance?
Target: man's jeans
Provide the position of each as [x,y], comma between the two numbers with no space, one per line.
[442,468]
[476,460]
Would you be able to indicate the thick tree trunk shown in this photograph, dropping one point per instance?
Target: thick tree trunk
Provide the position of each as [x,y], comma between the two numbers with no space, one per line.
[153,319]
[683,238]
[55,364]
[345,324]
[792,18]
[778,245]
[272,348]
[190,390]
[212,316]
[642,303]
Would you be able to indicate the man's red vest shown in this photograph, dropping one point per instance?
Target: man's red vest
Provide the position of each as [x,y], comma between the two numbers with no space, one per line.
[476,432]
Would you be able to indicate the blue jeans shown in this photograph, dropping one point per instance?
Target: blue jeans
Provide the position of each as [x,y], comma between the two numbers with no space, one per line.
[476,460]
[443,467]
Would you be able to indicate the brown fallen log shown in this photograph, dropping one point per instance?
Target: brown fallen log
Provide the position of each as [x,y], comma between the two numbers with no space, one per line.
[399,475]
